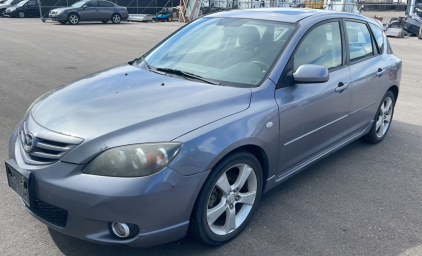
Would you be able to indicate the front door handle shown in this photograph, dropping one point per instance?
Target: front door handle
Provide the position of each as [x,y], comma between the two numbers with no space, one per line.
[342,86]
[380,72]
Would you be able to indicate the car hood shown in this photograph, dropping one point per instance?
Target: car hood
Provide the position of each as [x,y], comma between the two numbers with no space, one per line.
[126,99]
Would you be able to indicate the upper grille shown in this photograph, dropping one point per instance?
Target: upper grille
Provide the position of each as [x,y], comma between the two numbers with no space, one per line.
[41,146]
[50,213]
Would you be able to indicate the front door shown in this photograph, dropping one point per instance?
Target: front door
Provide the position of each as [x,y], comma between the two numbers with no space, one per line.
[312,116]
[90,12]
[32,9]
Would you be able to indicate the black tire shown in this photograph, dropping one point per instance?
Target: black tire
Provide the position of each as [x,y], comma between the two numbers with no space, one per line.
[62,22]
[104,21]
[73,18]
[21,14]
[116,18]
[371,136]
[169,19]
[2,12]
[199,227]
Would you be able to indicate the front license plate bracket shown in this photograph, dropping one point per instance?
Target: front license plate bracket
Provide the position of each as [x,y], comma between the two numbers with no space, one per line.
[22,185]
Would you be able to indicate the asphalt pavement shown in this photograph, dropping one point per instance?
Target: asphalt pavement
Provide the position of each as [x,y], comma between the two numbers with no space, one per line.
[362,200]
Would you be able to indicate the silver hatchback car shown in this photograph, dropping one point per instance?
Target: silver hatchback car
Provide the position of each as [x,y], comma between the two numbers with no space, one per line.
[187,137]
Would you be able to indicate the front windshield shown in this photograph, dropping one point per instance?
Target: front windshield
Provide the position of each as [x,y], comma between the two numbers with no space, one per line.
[79,4]
[232,51]
[22,3]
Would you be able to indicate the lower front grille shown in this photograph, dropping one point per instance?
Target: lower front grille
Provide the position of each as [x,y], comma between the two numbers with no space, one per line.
[50,213]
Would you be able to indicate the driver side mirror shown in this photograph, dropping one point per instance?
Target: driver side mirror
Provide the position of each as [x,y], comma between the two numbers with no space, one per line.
[310,73]
[84,6]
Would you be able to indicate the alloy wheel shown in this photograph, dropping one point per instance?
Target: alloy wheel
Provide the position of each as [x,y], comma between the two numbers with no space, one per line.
[232,198]
[2,12]
[384,117]
[21,15]
[74,19]
[116,18]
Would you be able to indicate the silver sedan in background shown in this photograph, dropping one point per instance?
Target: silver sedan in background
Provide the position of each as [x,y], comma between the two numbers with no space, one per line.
[189,136]
[90,11]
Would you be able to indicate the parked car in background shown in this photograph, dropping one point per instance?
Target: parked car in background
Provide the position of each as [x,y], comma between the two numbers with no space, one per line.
[90,11]
[6,4]
[189,136]
[26,8]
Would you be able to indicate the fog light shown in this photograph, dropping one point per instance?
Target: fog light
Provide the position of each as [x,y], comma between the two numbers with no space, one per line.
[120,229]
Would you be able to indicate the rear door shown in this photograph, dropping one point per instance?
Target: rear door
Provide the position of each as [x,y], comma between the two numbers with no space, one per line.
[368,71]
[90,12]
[312,116]
[106,9]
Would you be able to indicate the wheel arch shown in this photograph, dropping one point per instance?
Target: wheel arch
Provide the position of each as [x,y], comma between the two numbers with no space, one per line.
[395,90]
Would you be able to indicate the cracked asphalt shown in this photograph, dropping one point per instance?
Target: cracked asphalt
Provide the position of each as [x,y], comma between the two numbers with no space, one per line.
[362,200]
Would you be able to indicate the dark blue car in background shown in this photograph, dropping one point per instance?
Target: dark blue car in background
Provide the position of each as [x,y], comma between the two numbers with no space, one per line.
[26,8]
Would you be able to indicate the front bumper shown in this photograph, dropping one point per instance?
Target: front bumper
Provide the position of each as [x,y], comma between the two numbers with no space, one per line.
[11,14]
[160,204]
[58,17]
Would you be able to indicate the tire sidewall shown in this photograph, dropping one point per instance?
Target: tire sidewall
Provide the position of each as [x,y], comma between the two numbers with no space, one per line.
[19,16]
[201,213]
[373,132]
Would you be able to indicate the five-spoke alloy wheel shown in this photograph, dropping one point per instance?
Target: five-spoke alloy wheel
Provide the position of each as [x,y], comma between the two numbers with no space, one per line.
[21,14]
[382,120]
[228,199]
[73,19]
[116,18]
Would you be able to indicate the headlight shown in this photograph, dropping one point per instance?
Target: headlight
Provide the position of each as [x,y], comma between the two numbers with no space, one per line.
[60,12]
[133,160]
[12,9]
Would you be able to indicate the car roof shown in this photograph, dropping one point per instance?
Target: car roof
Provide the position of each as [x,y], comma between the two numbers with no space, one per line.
[290,15]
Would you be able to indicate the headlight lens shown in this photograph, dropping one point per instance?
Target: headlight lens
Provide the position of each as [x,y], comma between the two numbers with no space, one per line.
[133,160]
[60,12]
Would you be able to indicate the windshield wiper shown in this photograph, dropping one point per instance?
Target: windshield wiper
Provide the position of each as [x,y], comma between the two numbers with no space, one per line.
[187,75]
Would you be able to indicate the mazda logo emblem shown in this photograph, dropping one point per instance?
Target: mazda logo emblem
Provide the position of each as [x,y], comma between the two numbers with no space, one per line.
[28,144]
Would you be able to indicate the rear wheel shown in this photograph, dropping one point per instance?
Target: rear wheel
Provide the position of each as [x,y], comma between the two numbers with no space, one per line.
[73,19]
[21,14]
[382,120]
[116,18]
[228,199]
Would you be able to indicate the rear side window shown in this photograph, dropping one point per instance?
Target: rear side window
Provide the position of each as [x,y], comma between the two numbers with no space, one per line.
[322,46]
[360,42]
[105,4]
[379,37]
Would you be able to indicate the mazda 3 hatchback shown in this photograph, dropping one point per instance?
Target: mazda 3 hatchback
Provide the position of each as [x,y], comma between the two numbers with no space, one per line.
[189,136]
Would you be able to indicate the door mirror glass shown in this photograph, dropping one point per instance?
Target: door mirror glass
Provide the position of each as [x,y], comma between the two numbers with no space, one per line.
[84,6]
[310,73]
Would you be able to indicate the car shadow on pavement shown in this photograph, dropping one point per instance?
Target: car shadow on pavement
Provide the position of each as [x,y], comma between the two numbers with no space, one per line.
[320,209]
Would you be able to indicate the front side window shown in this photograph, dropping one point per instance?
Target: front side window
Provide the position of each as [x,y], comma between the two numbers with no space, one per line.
[360,42]
[379,37]
[322,46]
[232,51]
[92,4]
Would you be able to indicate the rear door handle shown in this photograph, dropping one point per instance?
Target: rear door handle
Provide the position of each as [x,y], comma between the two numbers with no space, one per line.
[342,86]
[380,72]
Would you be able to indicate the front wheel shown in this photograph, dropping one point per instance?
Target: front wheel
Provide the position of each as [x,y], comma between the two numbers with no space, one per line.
[73,19]
[21,14]
[382,120]
[116,18]
[228,199]
[2,12]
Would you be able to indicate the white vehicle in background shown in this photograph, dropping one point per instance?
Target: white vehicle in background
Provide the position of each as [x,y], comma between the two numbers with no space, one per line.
[341,6]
